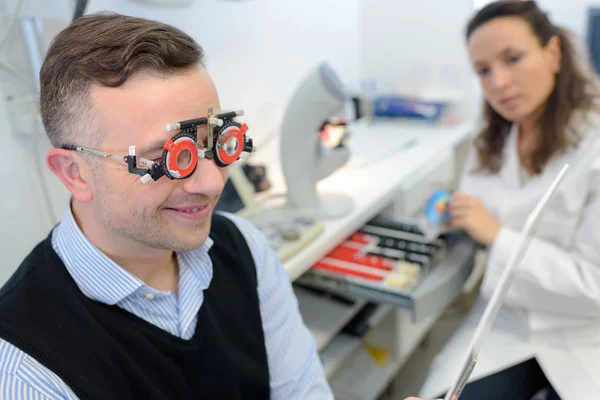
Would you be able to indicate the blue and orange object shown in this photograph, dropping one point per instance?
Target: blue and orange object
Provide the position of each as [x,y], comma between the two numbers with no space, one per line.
[437,209]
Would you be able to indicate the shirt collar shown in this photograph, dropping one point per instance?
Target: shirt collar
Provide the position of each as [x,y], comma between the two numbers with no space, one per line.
[100,278]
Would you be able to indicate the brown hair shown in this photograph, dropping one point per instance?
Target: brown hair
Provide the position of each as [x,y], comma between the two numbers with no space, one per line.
[571,92]
[104,49]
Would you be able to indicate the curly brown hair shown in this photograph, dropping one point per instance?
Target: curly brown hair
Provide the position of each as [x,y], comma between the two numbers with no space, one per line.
[571,92]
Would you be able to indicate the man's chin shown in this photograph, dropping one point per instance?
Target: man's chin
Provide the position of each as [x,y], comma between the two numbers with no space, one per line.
[185,244]
[177,236]
[193,240]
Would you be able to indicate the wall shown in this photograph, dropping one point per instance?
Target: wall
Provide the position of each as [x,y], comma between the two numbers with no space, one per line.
[30,205]
[416,47]
[571,14]
[257,51]
[24,215]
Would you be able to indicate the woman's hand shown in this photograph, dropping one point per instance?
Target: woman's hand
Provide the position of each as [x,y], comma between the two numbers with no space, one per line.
[470,215]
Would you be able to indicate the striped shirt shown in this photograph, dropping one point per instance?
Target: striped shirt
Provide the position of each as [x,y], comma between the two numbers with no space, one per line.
[294,366]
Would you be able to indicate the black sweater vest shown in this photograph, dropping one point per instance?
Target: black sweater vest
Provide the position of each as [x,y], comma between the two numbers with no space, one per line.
[105,352]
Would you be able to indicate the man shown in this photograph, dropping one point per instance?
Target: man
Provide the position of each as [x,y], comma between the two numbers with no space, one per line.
[141,291]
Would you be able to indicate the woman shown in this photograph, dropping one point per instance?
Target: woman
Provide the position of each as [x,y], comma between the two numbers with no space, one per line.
[541,111]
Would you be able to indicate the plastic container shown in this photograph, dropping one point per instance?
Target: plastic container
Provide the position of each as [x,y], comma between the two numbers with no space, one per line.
[436,214]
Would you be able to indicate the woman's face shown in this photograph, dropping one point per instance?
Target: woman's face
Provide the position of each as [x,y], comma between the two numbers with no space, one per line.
[516,73]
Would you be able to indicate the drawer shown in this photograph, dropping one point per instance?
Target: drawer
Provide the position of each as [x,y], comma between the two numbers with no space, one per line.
[435,291]
[439,173]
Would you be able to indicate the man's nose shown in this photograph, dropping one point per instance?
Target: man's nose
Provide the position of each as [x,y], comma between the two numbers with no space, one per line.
[207,179]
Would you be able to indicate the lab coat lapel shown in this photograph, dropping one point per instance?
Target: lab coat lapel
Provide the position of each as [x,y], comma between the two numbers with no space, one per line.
[510,165]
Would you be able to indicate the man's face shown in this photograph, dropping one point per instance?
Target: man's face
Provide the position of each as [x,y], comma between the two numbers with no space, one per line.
[165,214]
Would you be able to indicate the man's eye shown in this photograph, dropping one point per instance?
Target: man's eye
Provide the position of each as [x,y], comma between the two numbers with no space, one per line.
[155,159]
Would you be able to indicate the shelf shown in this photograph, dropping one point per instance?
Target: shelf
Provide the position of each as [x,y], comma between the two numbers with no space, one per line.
[361,378]
[380,314]
[336,353]
[411,333]
[325,314]
[343,345]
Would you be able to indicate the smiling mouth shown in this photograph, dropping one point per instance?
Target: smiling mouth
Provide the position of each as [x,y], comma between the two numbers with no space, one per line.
[196,212]
[188,210]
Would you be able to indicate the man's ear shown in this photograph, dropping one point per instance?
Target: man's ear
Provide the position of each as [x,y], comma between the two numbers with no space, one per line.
[554,52]
[73,171]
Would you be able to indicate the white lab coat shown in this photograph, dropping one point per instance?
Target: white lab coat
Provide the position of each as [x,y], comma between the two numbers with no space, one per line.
[552,311]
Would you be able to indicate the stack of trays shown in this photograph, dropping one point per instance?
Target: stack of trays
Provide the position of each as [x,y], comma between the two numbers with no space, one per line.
[386,255]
